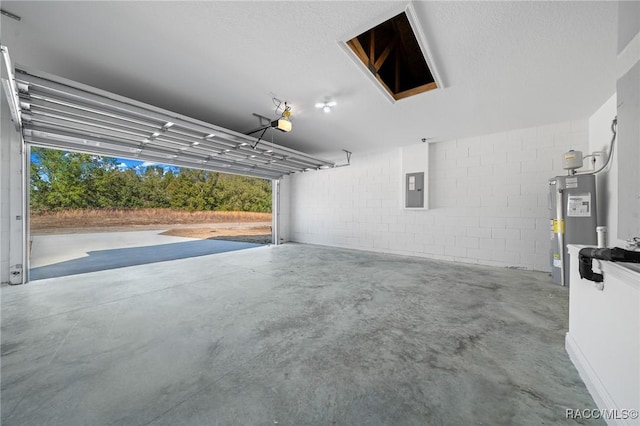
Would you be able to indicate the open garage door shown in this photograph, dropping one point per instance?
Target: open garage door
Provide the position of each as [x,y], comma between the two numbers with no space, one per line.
[54,112]
[59,113]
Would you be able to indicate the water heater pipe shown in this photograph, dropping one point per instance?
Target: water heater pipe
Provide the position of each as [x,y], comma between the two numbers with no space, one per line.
[560,232]
[614,126]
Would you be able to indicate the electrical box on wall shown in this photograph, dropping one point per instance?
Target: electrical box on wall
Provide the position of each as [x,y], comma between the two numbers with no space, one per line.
[414,196]
[415,176]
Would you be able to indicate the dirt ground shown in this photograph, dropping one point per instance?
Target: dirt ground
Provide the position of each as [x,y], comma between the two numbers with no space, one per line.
[230,226]
[245,234]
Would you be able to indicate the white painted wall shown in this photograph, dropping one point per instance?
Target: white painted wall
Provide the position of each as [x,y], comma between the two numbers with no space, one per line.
[604,323]
[4,192]
[628,93]
[284,209]
[606,181]
[11,232]
[488,201]
[609,190]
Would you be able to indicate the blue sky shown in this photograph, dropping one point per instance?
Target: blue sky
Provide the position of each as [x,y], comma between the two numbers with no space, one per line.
[138,166]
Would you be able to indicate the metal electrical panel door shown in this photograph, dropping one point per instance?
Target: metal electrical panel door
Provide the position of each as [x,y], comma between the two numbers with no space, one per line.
[415,190]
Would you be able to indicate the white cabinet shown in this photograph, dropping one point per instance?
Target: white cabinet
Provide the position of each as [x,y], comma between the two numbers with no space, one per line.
[603,341]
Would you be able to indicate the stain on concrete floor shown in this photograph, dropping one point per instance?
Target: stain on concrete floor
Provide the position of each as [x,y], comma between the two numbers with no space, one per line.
[293,334]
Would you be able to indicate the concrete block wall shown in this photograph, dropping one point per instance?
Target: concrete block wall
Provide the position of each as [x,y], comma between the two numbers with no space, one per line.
[488,199]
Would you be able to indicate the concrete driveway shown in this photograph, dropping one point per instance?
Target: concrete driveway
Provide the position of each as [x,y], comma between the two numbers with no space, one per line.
[70,254]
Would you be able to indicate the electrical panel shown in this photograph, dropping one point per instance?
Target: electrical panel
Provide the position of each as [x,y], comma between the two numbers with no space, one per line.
[414,190]
[413,182]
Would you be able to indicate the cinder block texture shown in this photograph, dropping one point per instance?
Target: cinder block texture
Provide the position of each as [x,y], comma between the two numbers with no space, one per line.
[487,199]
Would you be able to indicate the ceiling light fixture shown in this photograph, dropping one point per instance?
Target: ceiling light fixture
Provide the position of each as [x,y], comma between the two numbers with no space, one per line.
[326,105]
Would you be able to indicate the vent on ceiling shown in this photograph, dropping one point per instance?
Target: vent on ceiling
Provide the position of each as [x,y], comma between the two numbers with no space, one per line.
[395,56]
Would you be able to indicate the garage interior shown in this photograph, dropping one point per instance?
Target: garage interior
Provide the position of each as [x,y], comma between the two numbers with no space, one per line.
[367,308]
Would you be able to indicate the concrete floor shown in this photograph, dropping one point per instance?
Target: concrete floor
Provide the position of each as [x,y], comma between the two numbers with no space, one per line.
[289,335]
[69,254]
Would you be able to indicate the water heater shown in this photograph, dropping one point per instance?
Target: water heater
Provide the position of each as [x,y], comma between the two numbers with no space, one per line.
[572,208]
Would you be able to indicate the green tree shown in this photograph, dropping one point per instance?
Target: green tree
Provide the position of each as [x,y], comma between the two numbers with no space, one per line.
[241,193]
[125,189]
[61,180]
[154,187]
[193,190]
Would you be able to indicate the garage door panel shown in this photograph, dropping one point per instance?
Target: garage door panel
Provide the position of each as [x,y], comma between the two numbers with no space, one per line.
[59,113]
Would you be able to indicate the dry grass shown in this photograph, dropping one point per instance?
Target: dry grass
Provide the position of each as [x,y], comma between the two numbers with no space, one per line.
[90,218]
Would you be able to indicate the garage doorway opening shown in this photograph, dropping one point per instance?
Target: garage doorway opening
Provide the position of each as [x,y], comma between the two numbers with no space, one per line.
[91,212]
[53,112]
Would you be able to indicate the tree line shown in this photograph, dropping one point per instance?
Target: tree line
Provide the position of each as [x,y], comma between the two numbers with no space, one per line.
[69,180]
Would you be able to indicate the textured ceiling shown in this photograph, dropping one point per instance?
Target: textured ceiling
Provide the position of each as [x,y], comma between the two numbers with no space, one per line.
[506,65]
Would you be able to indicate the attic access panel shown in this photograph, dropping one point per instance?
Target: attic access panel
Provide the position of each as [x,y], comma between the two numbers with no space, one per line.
[395,55]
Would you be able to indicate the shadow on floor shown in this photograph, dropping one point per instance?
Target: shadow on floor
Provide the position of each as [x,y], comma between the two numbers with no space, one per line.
[118,258]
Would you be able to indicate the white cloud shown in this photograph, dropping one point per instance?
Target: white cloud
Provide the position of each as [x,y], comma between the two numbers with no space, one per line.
[148,164]
[122,166]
